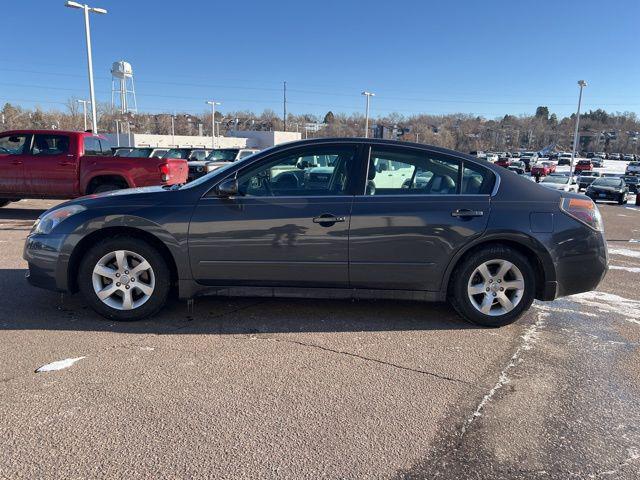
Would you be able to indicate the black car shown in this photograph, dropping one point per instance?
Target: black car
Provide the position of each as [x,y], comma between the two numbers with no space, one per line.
[608,188]
[390,220]
[586,178]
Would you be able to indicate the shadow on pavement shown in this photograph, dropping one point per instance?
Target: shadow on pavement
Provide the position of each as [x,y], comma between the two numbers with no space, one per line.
[24,307]
[8,213]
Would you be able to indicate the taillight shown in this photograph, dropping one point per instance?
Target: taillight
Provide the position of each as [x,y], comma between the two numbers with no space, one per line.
[583,210]
[164,171]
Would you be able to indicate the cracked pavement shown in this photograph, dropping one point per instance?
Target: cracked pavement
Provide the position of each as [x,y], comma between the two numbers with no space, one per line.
[280,388]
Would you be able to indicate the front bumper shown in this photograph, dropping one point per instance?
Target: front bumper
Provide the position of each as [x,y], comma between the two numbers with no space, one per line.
[47,263]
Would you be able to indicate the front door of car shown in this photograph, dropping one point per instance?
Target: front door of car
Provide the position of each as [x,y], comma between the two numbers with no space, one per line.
[288,224]
[418,209]
[50,168]
[13,148]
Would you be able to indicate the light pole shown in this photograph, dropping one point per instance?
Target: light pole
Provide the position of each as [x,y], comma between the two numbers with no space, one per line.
[366,120]
[173,131]
[581,84]
[213,104]
[87,31]
[84,111]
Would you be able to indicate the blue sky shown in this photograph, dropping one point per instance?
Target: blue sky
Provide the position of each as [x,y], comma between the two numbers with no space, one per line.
[482,57]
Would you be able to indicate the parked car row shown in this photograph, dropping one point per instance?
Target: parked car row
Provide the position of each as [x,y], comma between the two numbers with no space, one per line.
[627,157]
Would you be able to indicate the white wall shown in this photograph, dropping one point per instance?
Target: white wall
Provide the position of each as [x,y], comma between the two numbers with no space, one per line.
[236,139]
[261,140]
[146,140]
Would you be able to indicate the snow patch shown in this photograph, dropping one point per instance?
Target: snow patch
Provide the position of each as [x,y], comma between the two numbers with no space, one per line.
[547,308]
[610,303]
[59,365]
[529,337]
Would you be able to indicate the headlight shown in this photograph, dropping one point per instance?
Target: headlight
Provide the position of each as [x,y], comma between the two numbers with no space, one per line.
[53,218]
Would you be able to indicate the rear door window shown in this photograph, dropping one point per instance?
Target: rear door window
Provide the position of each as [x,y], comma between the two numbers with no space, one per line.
[406,172]
[476,180]
[92,146]
[45,145]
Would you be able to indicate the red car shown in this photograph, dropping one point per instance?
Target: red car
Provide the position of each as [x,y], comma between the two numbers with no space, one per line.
[58,164]
[543,169]
[503,162]
[583,166]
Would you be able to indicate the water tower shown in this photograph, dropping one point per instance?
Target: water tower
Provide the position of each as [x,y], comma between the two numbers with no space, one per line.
[123,92]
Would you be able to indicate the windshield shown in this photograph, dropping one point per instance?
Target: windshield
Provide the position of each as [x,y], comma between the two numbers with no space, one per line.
[631,179]
[555,180]
[223,155]
[209,176]
[607,182]
[179,153]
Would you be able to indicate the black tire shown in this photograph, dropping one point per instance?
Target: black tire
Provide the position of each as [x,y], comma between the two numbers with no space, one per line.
[4,202]
[106,187]
[160,269]
[621,200]
[458,295]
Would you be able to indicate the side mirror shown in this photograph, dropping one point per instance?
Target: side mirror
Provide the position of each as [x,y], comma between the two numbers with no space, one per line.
[228,188]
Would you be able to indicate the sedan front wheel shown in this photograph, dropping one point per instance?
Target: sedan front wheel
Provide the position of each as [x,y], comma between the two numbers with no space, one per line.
[124,278]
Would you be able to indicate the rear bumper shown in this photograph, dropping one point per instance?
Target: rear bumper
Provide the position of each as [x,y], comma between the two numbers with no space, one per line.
[615,196]
[580,263]
[47,263]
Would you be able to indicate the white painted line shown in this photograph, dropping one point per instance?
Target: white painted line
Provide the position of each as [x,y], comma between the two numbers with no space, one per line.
[626,269]
[625,252]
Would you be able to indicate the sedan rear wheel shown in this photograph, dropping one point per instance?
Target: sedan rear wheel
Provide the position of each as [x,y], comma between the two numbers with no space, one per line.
[124,278]
[493,286]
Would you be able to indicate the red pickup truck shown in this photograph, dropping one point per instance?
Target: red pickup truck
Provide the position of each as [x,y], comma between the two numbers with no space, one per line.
[57,164]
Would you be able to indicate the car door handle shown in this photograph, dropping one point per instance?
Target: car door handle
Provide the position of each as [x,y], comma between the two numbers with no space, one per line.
[16,162]
[327,218]
[465,212]
[65,163]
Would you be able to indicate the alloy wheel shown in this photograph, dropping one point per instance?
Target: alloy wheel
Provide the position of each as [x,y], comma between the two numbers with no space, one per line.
[495,287]
[123,280]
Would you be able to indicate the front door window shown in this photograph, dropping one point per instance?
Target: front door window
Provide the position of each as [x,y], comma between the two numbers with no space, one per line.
[311,172]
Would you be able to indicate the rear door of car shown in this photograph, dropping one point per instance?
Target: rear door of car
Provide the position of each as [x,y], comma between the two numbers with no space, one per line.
[415,211]
[13,153]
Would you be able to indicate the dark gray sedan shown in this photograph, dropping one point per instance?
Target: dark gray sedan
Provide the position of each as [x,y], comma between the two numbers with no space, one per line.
[327,218]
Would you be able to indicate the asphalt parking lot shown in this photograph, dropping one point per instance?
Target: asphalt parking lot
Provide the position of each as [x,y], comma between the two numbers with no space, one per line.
[268,388]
